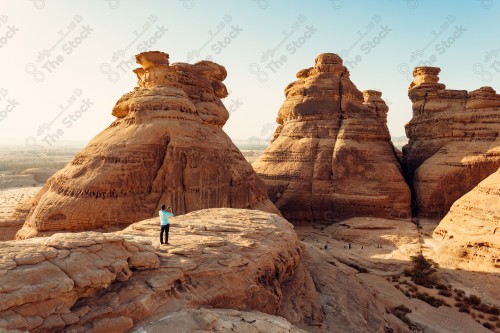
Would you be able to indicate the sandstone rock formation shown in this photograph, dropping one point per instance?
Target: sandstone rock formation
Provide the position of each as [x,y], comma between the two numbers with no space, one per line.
[470,232]
[454,141]
[166,146]
[229,258]
[15,204]
[40,175]
[331,157]
[219,320]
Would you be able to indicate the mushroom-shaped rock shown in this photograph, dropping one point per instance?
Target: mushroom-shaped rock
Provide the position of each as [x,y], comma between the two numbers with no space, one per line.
[166,146]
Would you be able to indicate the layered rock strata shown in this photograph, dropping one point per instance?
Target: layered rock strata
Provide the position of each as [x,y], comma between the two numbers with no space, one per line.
[469,234]
[166,146]
[454,141]
[331,157]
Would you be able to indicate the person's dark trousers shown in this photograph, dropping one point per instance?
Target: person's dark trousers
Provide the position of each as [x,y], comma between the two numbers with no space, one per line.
[164,229]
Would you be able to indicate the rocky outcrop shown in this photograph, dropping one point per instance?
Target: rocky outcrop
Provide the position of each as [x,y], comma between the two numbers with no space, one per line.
[40,175]
[331,157]
[15,204]
[454,141]
[469,234]
[166,146]
[94,282]
[219,320]
[357,286]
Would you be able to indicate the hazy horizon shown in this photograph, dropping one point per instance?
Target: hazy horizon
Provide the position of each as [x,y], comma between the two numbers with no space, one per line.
[64,64]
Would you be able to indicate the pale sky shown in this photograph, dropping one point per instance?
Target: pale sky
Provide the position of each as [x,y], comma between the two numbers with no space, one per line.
[64,63]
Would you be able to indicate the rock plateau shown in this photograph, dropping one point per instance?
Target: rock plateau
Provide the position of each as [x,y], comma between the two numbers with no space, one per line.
[113,282]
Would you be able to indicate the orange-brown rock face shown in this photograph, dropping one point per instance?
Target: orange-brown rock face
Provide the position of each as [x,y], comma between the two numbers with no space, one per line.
[109,282]
[166,146]
[470,232]
[454,141]
[331,157]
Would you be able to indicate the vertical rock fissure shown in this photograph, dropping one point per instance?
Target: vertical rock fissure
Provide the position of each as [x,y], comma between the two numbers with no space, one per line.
[340,122]
[162,165]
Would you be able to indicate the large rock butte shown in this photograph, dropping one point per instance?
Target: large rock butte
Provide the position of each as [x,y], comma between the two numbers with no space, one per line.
[112,282]
[454,141]
[331,157]
[470,233]
[166,146]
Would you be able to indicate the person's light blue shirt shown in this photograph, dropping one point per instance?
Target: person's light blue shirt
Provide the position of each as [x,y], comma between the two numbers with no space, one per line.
[164,215]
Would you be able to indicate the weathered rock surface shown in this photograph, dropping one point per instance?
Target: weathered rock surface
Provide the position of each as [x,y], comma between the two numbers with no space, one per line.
[15,203]
[94,282]
[40,175]
[166,146]
[454,141]
[353,287]
[423,317]
[219,320]
[28,177]
[331,157]
[469,234]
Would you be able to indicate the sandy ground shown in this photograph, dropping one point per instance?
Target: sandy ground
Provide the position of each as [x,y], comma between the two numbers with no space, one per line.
[381,250]
[9,198]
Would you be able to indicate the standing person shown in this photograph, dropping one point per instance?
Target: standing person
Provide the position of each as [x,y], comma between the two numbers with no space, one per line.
[165,224]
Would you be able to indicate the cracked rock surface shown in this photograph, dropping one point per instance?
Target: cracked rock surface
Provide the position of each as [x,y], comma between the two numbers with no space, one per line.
[91,282]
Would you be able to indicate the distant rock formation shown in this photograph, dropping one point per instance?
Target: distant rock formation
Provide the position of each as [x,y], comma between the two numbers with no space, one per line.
[110,282]
[470,232]
[332,157]
[166,146]
[454,141]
